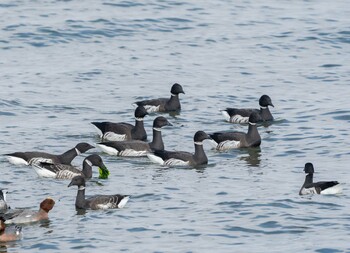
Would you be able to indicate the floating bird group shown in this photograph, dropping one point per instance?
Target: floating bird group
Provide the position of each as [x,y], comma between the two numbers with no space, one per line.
[125,139]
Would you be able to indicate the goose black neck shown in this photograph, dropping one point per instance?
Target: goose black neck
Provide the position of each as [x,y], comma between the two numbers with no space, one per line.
[68,156]
[157,141]
[199,154]
[80,200]
[87,170]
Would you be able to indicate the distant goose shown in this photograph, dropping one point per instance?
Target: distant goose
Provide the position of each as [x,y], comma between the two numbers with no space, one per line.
[9,234]
[3,204]
[164,104]
[26,158]
[134,147]
[235,115]
[230,140]
[98,201]
[122,131]
[182,158]
[17,216]
[63,171]
[323,187]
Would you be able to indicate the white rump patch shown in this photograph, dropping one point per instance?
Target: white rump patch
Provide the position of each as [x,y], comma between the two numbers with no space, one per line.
[16,160]
[336,189]
[111,136]
[226,115]
[132,152]
[155,159]
[107,149]
[224,145]
[213,143]
[307,191]
[42,172]
[151,108]
[98,131]
[123,202]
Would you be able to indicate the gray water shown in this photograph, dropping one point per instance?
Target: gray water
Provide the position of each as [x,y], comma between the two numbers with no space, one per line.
[64,64]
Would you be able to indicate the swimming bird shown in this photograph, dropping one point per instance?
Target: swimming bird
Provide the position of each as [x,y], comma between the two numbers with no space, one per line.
[26,158]
[9,234]
[236,115]
[98,201]
[323,187]
[229,140]
[64,171]
[182,158]
[122,131]
[3,204]
[135,147]
[27,215]
[164,104]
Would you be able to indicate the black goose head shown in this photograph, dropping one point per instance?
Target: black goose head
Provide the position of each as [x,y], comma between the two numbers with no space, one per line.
[78,181]
[140,112]
[254,118]
[83,147]
[309,168]
[200,136]
[265,100]
[160,122]
[176,89]
[96,160]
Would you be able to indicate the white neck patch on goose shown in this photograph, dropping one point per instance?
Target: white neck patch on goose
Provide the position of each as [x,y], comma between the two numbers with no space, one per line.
[139,119]
[253,124]
[198,143]
[78,152]
[157,129]
[263,107]
[81,188]
[88,162]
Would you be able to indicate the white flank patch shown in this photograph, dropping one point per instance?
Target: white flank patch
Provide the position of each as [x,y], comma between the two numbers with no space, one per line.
[98,131]
[123,202]
[226,115]
[336,189]
[213,143]
[105,206]
[155,159]
[132,152]
[111,136]
[176,162]
[107,149]
[43,172]
[224,145]
[306,191]
[16,160]
[151,108]
[239,119]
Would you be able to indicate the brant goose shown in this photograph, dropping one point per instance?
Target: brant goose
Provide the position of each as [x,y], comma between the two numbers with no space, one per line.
[27,215]
[9,234]
[164,104]
[98,201]
[182,158]
[64,171]
[229,140]
[122,131]
[235,115]
[323,187]
[26,158]
[135,147]
[3,203]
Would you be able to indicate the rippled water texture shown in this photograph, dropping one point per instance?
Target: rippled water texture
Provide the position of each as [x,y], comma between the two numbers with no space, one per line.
[66,63]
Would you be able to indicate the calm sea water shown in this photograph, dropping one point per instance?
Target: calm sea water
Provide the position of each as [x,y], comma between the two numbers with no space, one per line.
[66,63]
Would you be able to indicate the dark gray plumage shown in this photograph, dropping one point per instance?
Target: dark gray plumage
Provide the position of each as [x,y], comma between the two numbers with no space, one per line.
[26,158]
[124,131]
[182,158]
[236,115]
[134,147]
[164,104]
[97,201]
[228,140]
